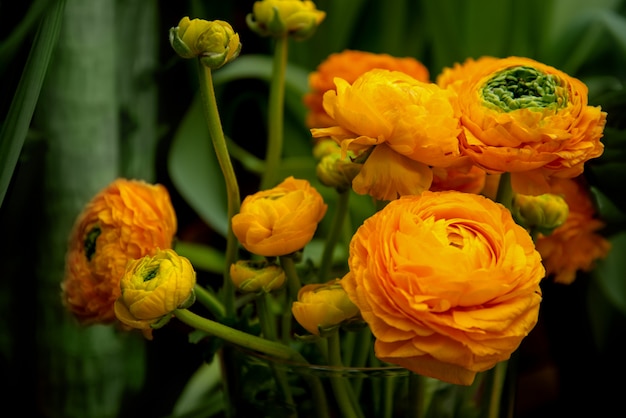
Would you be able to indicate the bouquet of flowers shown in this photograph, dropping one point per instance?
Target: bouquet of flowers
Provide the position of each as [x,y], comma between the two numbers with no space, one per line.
[414,258]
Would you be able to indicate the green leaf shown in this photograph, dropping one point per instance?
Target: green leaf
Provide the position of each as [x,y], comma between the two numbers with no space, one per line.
[20,113]
[202,256]
[195,171]
[609,273]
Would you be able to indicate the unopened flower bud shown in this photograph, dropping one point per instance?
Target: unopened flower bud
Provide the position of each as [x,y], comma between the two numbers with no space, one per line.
[256,276]
[541,213]
[325,147]
[152,288]
[321,308]
[215,42]
[332,171]
[296,18]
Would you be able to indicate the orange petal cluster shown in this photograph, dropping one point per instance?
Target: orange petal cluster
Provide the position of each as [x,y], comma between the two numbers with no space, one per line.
[443,319]
[125,221]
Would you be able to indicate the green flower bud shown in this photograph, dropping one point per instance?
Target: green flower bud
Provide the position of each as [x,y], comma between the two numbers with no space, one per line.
[215,42]
[325,147]
[296,18]
[542,213]
[332,171]
[256,276]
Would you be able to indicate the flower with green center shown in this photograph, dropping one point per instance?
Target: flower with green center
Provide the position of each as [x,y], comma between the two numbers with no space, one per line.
[257,276]
[296,18]
[215,42]
[526,118]
[152,288]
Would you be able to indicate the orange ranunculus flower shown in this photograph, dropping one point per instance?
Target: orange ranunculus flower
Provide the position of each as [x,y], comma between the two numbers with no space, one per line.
[323,306]
[280,220]
[153,287]
[447,281]
[526,118]
[349,65]
[575,245]
[402,126]
[125,221]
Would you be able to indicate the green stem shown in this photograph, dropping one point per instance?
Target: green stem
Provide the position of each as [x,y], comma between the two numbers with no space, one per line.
[346,400]
[268,328]
[232,187]
[293,281]
[363,344]
[276,114]
[210,301]
[333,234]
[505,191]
[237,337]
[499,373]
[417,392]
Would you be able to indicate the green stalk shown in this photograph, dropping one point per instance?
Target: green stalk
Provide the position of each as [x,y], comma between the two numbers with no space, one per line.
[334,232]
[293,281]
[232,187]
[276,114]
[495,397]
[504,194]
[210,301]
[346,400]
[417,389]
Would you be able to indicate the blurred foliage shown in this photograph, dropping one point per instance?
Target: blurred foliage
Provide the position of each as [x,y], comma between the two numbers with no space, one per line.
[161,136]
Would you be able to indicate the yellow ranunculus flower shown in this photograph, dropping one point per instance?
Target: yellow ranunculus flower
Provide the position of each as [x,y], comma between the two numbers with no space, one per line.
[447,281]
[296,18]
[255,276]
[214,41]
[127,220]
[323,306]
[280,220]
[152,288]
[526,118]
[400,126]
[349,65]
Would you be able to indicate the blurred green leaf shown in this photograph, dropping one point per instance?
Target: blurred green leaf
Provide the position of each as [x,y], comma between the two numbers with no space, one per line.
[609,273]
[202,256]
[17,122]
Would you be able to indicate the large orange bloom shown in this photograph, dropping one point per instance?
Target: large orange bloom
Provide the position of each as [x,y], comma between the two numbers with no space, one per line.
[575,245]
[127,220]
[402,126]
[447,281]
[280,220]
[349,65]
[527,118]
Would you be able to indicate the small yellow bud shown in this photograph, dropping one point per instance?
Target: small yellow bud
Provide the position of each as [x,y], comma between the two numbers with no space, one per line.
[215,42]
[541,213]
[321,308]
[332,171]
[256,276]
[296,18]
[152,288]
[325,147]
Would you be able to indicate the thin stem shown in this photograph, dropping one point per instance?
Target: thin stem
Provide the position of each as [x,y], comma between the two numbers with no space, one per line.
[346,400]
[364,343]
[505,191]
[293,281]
[276,114]
[210,301]
[499,373]
[238,337]
[232,187]
[417,394]
[333,234]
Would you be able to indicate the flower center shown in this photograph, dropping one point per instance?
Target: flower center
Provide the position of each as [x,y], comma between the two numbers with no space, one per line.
[90,242]
[151,274]
[524,88]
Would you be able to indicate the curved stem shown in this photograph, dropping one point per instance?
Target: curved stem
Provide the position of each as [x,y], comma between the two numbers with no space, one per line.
[276,114]
[232,187]
[237,337]
[343,391]
[333,234]
[210,301]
